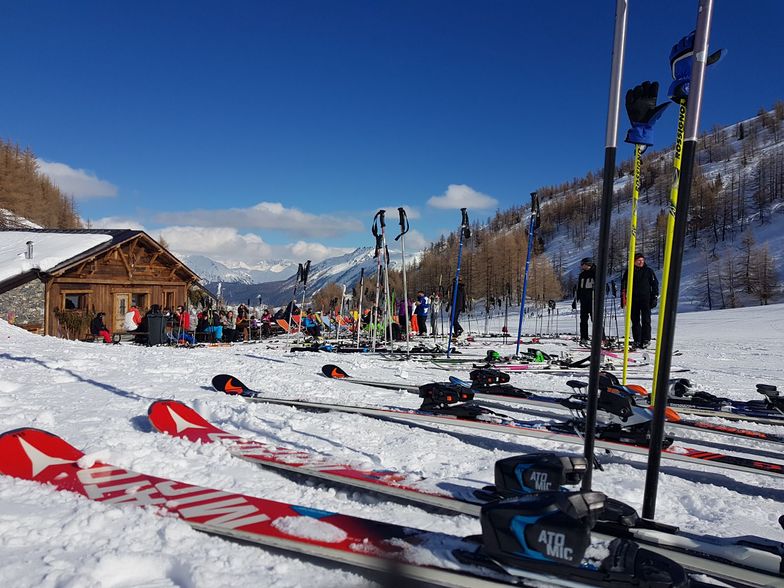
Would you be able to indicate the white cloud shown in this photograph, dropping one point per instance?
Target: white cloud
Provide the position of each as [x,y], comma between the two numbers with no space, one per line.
[227,245]
[267,215]
[314,251]
[416,241]
[462,196]
[78,183]
[219,242]
[115,222]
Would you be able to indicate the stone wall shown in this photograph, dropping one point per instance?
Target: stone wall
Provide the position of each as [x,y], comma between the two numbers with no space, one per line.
[24,305]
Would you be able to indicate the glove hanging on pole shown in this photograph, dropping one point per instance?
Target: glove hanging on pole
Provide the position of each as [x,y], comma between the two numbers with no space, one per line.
[681,59]
[643,112]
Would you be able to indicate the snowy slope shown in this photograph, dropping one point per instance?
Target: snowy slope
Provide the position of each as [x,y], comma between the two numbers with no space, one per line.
[734,161]
[96,397]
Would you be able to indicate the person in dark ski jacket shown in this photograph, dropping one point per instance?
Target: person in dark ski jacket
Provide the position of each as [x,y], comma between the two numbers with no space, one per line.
[645,295]
[584,295]
[460,306]
[98,328]
[421,312]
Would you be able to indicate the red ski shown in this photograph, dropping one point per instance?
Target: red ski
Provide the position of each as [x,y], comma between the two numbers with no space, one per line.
[179,420]
[37,455]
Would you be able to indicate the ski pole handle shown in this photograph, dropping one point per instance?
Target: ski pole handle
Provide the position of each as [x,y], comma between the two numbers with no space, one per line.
[464,224]
[403,222]
[380,215]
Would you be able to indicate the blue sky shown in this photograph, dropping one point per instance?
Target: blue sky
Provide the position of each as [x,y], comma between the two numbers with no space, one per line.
[250,130]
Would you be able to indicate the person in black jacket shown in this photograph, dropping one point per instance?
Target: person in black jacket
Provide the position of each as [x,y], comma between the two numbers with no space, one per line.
[98,328]
[584,295]
[460,306]
[645,295]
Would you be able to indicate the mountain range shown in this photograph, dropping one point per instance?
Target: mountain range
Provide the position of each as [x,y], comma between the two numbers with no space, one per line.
[236,286]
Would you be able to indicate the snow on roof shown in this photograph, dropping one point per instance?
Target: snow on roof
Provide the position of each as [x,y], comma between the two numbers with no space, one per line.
[49,250]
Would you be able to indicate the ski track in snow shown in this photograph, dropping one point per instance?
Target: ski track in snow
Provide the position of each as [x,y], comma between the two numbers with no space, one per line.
[96,397]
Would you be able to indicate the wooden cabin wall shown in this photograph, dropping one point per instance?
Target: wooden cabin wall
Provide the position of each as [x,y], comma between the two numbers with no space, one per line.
[110,282]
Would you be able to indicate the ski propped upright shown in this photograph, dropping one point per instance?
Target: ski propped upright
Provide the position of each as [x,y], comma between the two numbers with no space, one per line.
[37,455]
[475,417]
[760,560]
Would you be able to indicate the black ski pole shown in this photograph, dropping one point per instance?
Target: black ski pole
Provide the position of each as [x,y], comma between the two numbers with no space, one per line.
[616,73]
[666,338]
[465,233]
[403,230]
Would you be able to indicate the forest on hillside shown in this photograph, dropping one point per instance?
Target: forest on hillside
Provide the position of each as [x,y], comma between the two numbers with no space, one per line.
[738,179]
[29,194]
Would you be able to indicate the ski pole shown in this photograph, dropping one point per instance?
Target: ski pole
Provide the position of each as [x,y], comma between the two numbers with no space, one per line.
[615,309]
[666,337]
[305,272]
[465,233]
[358,324]
[403,230]
[532,225]
[340,315]
[377,255]
[611,137]
[638,149]
[385,251]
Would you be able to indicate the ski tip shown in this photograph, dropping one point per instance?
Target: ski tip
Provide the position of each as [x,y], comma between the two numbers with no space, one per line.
[334,372]
[28,452]
[229,384]
[176,418]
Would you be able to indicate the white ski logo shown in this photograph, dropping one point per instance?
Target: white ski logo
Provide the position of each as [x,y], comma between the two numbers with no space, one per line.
[555,545]
[541,481]
[219,509]
[39,461]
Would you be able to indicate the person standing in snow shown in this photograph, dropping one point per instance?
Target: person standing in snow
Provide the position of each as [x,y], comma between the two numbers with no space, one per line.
[421,311]
[460,306]
[645,295]
[435,309]
[584,295]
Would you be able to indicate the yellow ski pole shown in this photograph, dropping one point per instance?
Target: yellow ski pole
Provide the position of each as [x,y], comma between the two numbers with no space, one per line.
[638,149]
[676,163]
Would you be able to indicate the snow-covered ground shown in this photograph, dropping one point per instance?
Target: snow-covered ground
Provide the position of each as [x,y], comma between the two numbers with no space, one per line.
[96,397]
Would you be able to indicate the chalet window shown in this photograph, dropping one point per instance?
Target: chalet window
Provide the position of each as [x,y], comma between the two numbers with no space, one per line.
[75,301]
[169,299]
[140,300]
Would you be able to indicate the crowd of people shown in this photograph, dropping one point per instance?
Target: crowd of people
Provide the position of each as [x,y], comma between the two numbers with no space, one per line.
[183,325]
[417,316]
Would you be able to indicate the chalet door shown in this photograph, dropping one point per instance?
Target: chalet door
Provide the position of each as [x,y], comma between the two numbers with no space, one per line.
[122,302]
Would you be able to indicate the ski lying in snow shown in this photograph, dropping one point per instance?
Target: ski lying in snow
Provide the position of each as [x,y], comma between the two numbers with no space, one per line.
[760,559]
[554,370]
[473,416]
[500,391]
[524,542]
[179,420]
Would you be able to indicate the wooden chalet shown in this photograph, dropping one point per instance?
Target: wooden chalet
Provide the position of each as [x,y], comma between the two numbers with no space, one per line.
[128,267]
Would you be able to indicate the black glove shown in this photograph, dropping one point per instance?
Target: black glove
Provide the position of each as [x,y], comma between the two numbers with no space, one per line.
[654,301]
[643,112]
[574,305]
